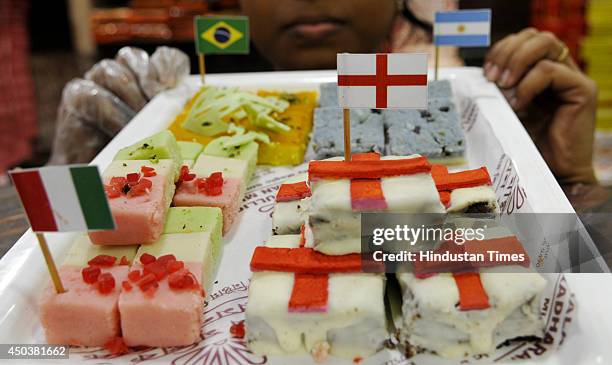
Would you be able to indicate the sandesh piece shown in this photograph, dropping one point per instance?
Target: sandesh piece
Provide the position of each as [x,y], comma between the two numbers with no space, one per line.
[467,191]
[160,146]
[139,194]
[214,182]
[367,132]
[87,313]
[292,201]
[435,133]
[232,147]
[494,307]
[285,148]
[161,303]
[341,190]
[329,308]
[189,152]
[199,219]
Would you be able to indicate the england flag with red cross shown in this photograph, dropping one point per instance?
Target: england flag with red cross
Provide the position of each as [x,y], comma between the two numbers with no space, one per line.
[380,81]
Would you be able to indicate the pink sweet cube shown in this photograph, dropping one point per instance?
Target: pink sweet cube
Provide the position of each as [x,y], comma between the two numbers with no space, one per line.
[187,195]
[139,219]
[81,316]
[168,317]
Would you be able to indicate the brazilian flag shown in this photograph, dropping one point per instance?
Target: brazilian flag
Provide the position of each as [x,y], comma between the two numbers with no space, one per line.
[222,34]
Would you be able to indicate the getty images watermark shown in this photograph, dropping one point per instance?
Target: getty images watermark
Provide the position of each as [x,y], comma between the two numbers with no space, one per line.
[420,238]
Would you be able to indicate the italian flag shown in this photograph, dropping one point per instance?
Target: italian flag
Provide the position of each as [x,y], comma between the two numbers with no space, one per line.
[63,198]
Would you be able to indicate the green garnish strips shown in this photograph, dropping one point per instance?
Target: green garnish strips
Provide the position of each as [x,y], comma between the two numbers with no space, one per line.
[214,104]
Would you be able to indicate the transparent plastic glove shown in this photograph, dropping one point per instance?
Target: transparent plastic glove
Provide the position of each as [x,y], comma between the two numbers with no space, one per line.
[75,141]
[89,116]
[163,70]
[118,79]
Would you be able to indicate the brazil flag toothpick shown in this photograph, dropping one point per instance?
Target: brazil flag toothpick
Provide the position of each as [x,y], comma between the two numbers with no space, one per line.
[220,34]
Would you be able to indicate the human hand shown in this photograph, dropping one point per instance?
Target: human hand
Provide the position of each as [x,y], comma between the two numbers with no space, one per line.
[94,110]
[555,101]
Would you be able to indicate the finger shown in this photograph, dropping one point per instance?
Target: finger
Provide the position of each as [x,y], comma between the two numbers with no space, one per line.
[570,86]
[500,54]
[544,45]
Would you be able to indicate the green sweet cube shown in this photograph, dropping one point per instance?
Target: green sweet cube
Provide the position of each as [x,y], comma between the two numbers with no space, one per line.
[190,150]
[247,152]
[160,146]
[197,219]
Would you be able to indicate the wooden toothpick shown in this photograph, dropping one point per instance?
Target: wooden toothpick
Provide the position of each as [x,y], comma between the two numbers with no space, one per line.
[347,134]
[57,281]
[202,67]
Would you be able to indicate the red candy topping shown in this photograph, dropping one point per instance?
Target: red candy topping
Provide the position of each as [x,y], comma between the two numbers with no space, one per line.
[148,171]
[147,281]
[106,283]
[90,274]
[124,261]
[182,279]
[133,177]
[116,346]
[184,175]
[132,185]
[126,285]
[213,185]
[156,268]
[118,180]
[146,258]
[174,266]
[237,329]
[166,259]
[103,260]
[112,191]
[134,275]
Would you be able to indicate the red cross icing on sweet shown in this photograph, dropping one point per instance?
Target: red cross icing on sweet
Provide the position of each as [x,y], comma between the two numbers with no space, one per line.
[365,171]
[367,194]
[382,80]
[311,269]
[292,191]
[447,182]
[471,292]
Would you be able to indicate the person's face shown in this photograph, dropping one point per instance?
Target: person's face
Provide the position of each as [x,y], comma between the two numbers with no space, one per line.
[307,34]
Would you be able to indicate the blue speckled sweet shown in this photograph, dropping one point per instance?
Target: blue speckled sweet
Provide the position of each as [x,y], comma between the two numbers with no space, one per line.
[328,95]
[435,133]
[367,132]
[440,89]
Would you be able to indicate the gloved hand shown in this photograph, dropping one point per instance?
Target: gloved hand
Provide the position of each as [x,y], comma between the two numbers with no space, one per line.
[94,110]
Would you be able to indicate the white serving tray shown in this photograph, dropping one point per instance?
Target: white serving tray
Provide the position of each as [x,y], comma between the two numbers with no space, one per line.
[493,132]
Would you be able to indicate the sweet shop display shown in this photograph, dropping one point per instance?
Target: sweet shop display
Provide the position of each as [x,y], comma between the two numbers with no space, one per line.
[177,196]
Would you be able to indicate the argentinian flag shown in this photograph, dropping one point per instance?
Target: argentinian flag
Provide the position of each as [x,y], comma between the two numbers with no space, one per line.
[464,28]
